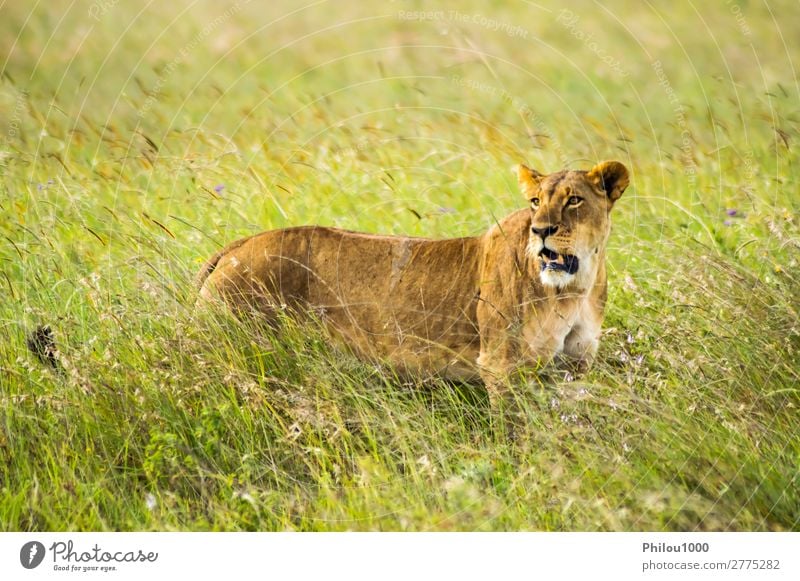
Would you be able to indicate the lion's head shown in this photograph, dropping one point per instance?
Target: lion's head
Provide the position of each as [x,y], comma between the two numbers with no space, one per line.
[570,220]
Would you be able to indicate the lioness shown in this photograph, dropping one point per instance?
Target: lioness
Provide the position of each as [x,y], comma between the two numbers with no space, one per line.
[531,289]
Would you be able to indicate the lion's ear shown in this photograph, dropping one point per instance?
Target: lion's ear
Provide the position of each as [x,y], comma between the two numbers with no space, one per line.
[611,177]
[528,180]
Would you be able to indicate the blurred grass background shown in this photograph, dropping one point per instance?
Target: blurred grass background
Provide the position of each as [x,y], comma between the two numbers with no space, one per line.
[138,138]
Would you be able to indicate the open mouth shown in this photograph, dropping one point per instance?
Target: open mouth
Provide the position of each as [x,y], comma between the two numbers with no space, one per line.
[552,260]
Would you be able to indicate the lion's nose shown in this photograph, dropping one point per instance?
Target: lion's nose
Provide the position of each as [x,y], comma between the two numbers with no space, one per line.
[544,232]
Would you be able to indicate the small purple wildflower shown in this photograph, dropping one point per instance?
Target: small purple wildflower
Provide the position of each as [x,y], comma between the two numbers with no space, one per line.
[218,188]
[569,418]
[728,222]
[731,212]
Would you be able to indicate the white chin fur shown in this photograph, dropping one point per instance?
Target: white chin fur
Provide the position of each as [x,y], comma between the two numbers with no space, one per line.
[581,280]
[557,278]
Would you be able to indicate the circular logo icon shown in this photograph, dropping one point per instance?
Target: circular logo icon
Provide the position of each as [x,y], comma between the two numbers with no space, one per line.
[31,554]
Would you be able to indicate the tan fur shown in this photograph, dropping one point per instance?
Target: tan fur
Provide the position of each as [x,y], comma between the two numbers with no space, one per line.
[457,308]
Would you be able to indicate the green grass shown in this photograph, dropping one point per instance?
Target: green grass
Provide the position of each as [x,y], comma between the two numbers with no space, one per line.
[117,129]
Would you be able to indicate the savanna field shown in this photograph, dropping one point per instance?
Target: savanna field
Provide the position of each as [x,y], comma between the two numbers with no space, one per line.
[137,139]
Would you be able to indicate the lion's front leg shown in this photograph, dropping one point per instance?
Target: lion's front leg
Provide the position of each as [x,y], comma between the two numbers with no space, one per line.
[502,359]
[499,355]
[496,370]
[498,362]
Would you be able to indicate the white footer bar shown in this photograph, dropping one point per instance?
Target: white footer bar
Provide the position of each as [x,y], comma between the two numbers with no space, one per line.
[387,556]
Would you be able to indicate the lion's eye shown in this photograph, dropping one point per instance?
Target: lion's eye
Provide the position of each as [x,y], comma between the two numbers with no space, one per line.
[534,203]
[574,201]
